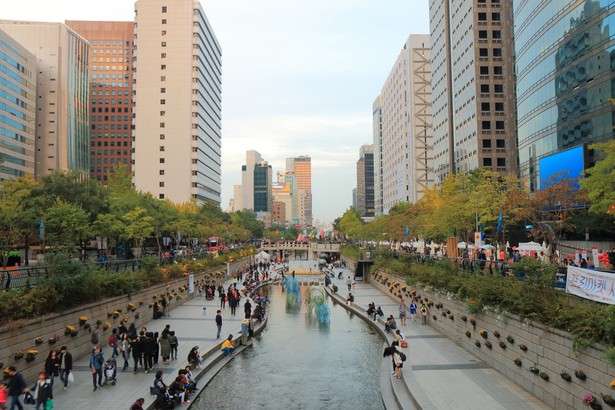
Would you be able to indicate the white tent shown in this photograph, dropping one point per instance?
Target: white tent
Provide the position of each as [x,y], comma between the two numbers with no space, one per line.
[487,246]
[263,256]
[530,246]
[463,245]
[418,244]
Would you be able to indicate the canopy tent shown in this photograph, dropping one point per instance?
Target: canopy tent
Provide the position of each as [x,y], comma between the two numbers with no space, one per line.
[263,256]
[418,244]
[463,245]
[487,246]
[530,246]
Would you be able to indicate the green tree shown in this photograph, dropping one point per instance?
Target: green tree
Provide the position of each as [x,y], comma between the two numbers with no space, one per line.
[139,227]
[599,181]
[350,223]
[111,227]
[67,227]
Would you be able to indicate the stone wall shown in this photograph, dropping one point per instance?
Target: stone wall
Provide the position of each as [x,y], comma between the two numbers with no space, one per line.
[21,335]
[548,350]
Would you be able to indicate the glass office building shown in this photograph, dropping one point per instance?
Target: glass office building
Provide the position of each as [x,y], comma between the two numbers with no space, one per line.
[565,78]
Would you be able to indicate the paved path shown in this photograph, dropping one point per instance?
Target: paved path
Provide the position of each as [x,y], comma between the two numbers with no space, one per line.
[450,377]
[192,329]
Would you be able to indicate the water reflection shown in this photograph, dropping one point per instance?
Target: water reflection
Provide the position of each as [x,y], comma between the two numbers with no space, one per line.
[300,364]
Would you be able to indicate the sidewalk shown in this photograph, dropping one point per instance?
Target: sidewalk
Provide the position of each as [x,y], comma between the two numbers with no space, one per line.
[192,328]
[448,377]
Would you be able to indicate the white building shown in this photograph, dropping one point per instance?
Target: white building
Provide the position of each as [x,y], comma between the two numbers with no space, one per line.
[178,87]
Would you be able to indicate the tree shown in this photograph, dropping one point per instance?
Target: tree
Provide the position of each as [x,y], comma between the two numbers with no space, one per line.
[351,223]
[139,227]
[599,181]
[110,227]
[67,226]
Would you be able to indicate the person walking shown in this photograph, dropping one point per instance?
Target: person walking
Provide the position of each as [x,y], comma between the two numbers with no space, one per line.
[124,348]
[174,344]
[245,327]
[148,351]
[137,351]
[42,391]
[165,347]
[113,341]
[52,366]
[349,283]
[218,323]
[96,365]
[66,365]
[413,308]
[17,386]
[402,312]
[222,298]
[424,314]
[247,307]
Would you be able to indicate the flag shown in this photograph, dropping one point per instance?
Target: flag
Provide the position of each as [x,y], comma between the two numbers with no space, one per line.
[500,223]
[407,231]
[41,229]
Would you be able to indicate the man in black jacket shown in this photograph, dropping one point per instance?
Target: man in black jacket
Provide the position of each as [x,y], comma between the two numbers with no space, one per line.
[16,386]
[66,365]
[148,351]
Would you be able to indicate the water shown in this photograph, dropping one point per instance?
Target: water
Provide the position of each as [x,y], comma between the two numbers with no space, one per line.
[298,364]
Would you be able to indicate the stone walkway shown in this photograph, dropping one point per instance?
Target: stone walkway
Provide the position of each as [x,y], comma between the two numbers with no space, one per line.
[448,376]
[192,328]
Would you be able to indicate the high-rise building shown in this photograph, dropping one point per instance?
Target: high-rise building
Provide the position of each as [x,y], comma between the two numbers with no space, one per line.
[377,135]
[62,135]
[278,215]
[247,181]
[111,69]
[364,195]
[178,88]
[17,109]
[565,68]
[263,199]
[473,86]
[402,129]
[282,193]
[302,168]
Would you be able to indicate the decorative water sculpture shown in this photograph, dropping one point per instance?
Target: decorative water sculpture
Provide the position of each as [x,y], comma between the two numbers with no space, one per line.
[316,302]
[293,292]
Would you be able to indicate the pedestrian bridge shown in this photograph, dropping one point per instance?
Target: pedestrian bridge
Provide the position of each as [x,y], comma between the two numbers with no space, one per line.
[298,250]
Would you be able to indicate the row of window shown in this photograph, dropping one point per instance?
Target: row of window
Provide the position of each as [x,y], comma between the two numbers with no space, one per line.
[110,51]
[106,143]
[110,43]
[110,127]
[109,118]
[94,101]
[119,109]
[107,161]
[495,16]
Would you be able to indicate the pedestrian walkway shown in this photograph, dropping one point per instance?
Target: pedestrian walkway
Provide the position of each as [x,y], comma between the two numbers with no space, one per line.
[444,375]
[193,326]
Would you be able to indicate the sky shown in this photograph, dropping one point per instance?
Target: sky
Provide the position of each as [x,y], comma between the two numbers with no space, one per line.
[299,77]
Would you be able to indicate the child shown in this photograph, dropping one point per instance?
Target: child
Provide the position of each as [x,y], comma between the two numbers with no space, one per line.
[3,395]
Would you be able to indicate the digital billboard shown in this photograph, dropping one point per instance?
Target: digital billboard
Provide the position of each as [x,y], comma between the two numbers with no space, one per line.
[565,164]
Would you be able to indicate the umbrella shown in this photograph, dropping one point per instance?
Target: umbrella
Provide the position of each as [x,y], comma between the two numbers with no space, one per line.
[487,246]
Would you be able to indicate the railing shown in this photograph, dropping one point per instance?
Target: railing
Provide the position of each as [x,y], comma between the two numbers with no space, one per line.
[30,276]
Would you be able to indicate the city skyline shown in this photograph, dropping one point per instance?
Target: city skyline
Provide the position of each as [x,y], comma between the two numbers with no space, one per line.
[312,78]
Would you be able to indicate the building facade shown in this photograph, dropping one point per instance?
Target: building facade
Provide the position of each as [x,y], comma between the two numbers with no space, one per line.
[377,144]
[402,127]
[246,200]
[110,90]
[263,200]
[282,193]
[301,167]
[177,96]
[62,135]
[363,197]
[17,109]
[473,86]
[278,215]
[565,78]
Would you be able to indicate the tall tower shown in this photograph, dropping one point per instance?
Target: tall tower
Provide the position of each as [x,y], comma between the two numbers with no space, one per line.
[247,180]
[62,141]
[402,126]
[111,54]
[263,198]
[178,88]
[474,86]
[364,195]
[18,111]
[302,168]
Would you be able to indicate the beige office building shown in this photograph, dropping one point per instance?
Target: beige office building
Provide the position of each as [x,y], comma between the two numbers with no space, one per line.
[17,109]
[474,86]
[62,94]
[402,128]
[177,96]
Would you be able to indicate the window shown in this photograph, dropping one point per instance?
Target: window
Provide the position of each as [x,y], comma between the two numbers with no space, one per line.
[486,125]
[501,162]
[162,125]
[497,70]
[500,143]
[163,78]
[485,106]
[499,106]
[163,102]
[162,136]
[163,90]
[164,9]
[499,125]
[163,55]
[161,172]
[163,67]
[482,34]
[499,88]
[497,52]
[486,162]
[161,184]
[160,196]
[163,44]
[483,52]
[497,34]
[162,148]
[162,160]
[162,113]
[163,33]
[495,16]
[484,88]
[164,21]
[486,143]
[482,16]
[484,70]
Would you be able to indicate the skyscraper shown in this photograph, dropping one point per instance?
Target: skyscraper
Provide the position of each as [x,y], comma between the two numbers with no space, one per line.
[247,181]
[263,199]
[302,168]
[18,110]
[365,182]
[565,80]
[111,54]
[402,127]
[177,95]
[62,138]
[377,135]
[473,86]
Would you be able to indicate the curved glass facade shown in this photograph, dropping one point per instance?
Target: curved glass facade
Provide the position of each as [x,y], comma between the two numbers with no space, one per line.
[565,64]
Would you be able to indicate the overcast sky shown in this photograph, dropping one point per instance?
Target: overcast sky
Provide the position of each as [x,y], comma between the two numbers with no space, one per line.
[299,77]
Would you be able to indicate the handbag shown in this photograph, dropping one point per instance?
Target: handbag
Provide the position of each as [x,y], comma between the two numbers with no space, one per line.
[71,378]
[49,405]
[404,344]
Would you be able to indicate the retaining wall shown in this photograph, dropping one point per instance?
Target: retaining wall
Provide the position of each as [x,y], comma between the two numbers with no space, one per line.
[549,350]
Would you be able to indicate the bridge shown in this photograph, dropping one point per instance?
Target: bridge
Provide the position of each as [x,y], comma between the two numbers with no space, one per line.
[299,250]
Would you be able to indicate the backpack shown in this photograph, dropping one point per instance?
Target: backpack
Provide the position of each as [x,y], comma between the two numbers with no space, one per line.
[402,355]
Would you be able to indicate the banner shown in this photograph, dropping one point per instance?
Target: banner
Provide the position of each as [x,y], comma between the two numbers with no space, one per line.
[191,284]
[595,257]
[591,284]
